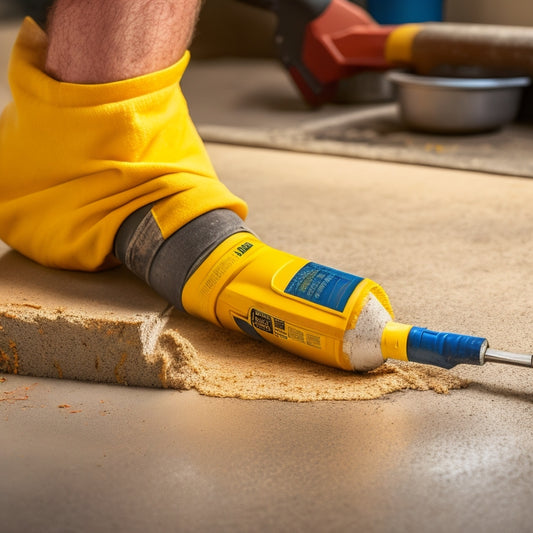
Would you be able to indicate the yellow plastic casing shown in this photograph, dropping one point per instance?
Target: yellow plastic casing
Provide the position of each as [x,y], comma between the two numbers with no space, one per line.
[394,341]
[242,286]
[399,45]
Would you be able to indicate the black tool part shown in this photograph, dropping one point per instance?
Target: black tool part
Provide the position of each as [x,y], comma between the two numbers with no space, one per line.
[167,264]
[293,18]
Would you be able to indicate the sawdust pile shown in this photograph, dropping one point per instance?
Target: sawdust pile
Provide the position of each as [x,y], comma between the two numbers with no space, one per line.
[187,353]
[231,365]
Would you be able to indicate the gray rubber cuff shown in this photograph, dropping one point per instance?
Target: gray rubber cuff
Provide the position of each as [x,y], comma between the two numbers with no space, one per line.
[167,264]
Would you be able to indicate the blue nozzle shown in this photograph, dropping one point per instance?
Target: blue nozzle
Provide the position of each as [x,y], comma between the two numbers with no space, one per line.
[444,349]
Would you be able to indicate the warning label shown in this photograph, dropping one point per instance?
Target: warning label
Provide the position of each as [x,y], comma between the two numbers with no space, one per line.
[296,334]
[262,321]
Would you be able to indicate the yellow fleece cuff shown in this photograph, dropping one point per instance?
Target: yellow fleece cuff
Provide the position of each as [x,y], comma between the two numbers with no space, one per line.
[76,160]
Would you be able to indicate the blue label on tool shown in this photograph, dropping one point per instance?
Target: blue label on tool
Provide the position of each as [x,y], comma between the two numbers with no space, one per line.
[323,285]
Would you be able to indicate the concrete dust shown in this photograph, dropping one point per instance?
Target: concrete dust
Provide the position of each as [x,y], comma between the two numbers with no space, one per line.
[231,365]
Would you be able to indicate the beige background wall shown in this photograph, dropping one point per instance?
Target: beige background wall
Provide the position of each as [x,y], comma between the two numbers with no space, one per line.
[227,27]
[512,12]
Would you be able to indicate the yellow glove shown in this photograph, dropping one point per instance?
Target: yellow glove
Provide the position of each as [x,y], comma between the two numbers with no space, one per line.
[76,160]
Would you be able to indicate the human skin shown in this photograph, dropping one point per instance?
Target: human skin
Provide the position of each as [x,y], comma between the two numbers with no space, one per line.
[102,41]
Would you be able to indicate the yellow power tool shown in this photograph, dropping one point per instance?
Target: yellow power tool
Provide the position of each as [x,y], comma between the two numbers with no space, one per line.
[315,311]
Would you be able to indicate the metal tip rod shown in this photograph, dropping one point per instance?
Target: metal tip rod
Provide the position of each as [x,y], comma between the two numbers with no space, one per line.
[508,358]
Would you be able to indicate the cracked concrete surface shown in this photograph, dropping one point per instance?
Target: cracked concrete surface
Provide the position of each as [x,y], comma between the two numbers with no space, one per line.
[70,325]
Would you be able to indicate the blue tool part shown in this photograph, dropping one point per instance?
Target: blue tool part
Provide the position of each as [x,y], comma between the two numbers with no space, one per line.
[444,349]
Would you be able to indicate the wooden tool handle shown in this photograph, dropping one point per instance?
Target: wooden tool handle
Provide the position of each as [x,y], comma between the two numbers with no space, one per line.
[435,47]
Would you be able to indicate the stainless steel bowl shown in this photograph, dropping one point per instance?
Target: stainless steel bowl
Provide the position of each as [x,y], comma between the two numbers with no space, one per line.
[457,105]
[367,87]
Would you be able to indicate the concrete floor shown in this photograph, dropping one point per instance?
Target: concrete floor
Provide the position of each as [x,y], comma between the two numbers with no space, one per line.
[124,459]
[141,460]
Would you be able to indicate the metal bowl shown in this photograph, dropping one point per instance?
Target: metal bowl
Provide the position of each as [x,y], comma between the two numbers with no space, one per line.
[366,87]
[457,105]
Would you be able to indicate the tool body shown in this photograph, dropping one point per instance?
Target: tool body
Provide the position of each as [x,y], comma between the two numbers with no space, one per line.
[215,268]
[321,42]
[317,312]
